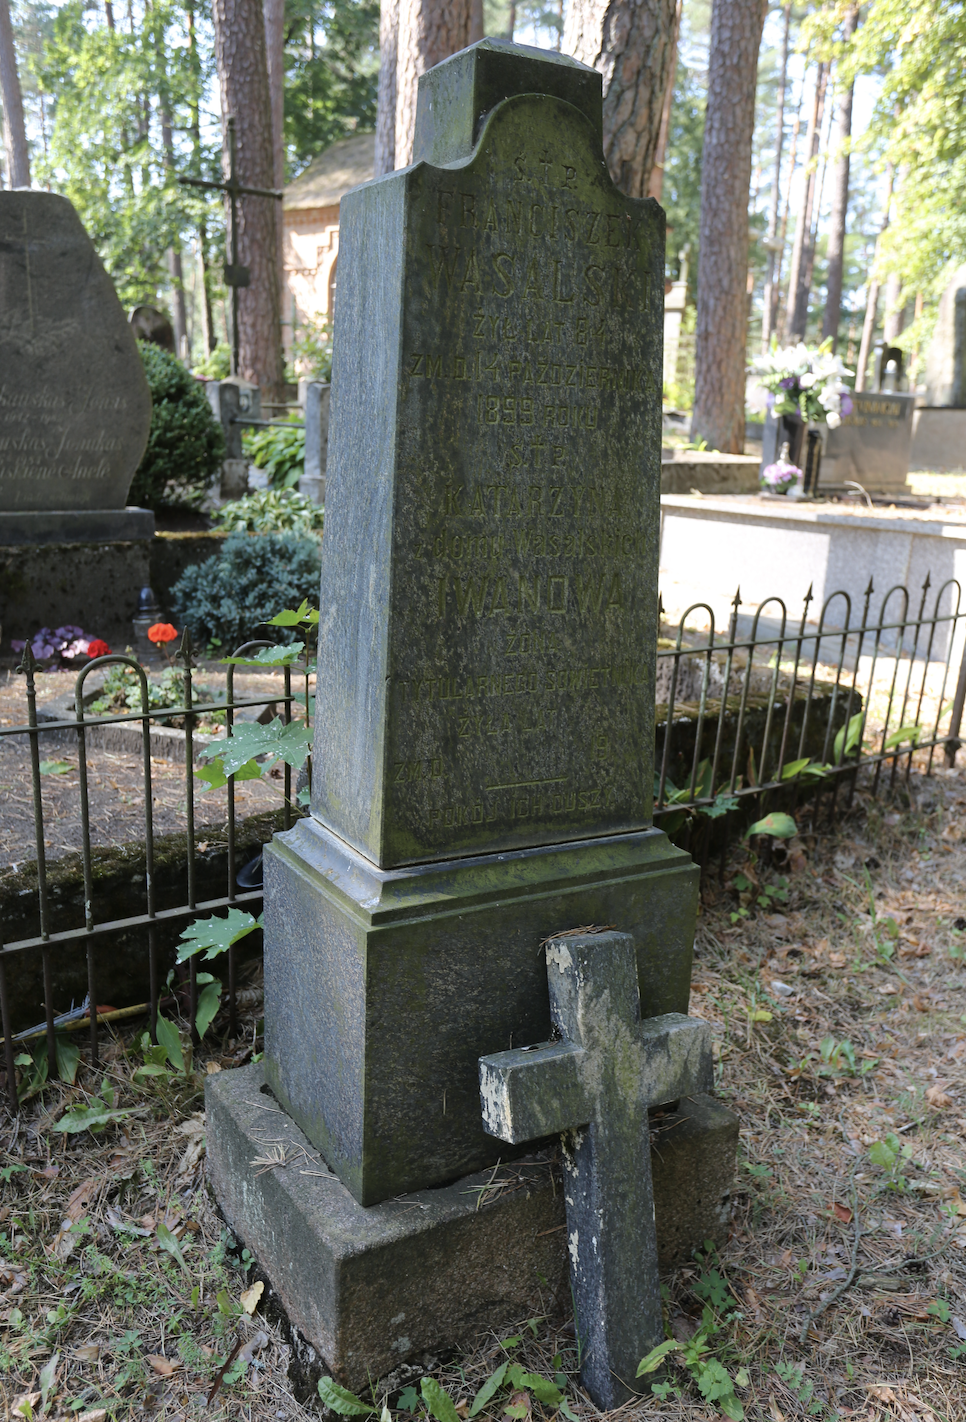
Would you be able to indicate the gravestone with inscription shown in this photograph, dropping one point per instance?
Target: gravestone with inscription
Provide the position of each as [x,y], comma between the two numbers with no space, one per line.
[75,407]
[871,446]
[483,762]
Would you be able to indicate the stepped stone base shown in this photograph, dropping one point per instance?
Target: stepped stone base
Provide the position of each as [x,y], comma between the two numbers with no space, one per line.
[370,1288]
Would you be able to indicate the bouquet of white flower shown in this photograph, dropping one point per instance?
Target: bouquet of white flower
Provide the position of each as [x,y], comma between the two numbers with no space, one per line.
[805,382]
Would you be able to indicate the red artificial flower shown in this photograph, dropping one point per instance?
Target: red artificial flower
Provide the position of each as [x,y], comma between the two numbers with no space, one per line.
[162,632]
[98,648]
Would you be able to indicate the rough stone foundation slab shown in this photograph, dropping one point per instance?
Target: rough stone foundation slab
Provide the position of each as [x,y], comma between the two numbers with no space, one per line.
[370,1288]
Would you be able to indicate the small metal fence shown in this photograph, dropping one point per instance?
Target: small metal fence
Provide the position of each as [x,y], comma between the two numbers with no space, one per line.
[744,720]
[92,933]
[750,720]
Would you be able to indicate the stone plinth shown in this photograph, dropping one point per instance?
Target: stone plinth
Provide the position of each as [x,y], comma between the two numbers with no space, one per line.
[372,1288]
[419,972]
[938,440]
[19,529]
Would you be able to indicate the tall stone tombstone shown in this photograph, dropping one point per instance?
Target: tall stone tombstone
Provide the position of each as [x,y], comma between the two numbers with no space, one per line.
[483,761]
[946,355]
[485,705]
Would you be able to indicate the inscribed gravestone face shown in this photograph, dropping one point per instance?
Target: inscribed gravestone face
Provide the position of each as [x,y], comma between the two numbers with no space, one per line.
[508,699]
[74,402]
[485,699]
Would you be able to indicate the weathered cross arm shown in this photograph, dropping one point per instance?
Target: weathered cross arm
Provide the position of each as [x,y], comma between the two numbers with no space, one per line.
[595,1086]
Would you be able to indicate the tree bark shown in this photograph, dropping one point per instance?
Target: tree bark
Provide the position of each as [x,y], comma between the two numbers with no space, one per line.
[840,204]
[768,303]
[429,31]
[797,305]
[14,133]
[476,21]
[872,299]
[274,13]
[722,328]
[632,43]
[211,335]
[655,187]
[386,104]
[243,79]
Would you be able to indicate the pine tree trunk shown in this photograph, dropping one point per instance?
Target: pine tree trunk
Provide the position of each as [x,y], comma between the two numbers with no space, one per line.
[722,326]
[14,133]
[274,12]
[243,79]
[797,306]
[655,187]
[429,31]
[211,336]
[386,104]
[768,303]
[840,204]
[632,43]
[872,299]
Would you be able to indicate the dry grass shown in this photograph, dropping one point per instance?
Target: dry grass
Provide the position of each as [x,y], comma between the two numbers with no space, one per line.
[867,951]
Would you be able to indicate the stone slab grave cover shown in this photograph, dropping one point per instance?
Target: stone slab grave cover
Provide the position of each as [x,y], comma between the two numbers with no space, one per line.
[75,407]
[483,764]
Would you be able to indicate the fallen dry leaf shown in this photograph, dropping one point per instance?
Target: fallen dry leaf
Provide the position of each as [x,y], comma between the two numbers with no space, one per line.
[249,1299]
[80,1199]
[164,1367]
[89,1353]
[194,1126]
[25,1403]
[842,1212]
[938,1098]
[97,1414]
[837,960]
[254,1345]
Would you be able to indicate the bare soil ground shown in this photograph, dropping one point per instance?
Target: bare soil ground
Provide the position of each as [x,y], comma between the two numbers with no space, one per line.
[115,780]
[839,1016]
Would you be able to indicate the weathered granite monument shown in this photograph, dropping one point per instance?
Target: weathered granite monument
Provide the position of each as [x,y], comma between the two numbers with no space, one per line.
[75,410]
[483,762]
[74,401]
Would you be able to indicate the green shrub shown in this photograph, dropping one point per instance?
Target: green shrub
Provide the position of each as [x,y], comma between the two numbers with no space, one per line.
[312,349]
[228,599]
[217,363]
[280,451]
[185,445]
[270,511]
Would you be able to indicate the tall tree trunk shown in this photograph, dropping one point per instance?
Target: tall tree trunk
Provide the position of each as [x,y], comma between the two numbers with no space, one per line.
[655,187]
[274,12]
[386,104]
[808,265]
[429,31]
[109,15]
[722,328]
[243,79]
[894,316]
[211,335]
[476,21]
[797,305]
[840,203]
[511,22]
[173,256]
[633,46]
[872,298]
[14,133]
[768,304]
[779,327]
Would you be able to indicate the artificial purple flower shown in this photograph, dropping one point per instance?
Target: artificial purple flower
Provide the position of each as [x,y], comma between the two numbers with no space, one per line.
[789,382]
[847,406]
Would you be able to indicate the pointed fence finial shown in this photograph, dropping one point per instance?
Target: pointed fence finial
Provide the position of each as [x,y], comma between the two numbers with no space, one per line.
[185,653]
[810,595]
[736,603]
[869,590]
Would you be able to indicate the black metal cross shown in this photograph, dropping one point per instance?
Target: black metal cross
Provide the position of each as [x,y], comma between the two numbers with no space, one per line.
[595,1086]
[235,275]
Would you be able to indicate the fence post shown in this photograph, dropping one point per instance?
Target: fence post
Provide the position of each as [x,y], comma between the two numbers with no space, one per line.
[955,721]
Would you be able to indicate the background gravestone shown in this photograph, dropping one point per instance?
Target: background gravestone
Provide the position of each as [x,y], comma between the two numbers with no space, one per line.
[75,408]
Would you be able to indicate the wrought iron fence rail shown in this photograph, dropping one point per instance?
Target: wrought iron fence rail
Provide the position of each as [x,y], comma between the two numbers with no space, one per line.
[200,710]
[728,748]
[142,920]
[796,685]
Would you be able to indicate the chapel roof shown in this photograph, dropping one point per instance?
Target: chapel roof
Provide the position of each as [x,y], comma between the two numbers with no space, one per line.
[342,166]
